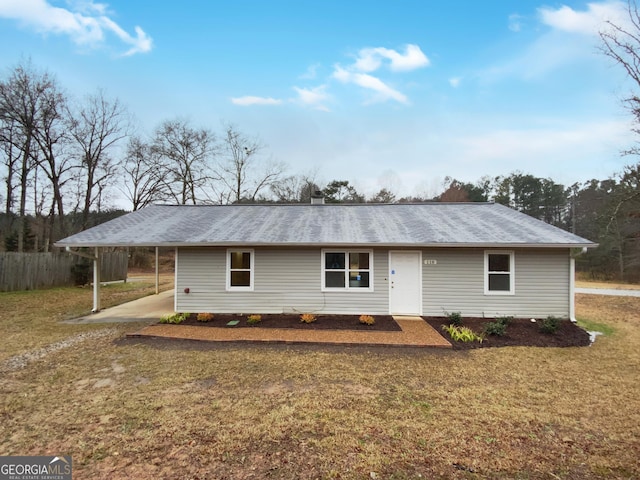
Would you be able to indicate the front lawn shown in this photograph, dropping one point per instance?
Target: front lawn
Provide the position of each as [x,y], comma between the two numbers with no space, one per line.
[166,409]
[30,319]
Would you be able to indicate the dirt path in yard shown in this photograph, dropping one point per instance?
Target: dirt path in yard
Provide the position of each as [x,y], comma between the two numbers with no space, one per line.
[22,360]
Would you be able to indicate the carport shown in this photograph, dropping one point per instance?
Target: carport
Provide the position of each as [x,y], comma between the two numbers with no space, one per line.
[95,258]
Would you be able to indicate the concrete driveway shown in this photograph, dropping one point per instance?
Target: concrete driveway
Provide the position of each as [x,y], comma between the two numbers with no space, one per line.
[148,308]
[609,291]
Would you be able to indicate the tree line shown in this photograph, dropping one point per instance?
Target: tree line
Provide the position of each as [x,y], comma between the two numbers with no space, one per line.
[64,159]
[62,155]
[605,211]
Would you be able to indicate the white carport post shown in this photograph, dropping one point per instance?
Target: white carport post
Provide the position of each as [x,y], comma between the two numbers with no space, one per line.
[96,274]
[96,281]
[572,282]
[572,289]
[157,274]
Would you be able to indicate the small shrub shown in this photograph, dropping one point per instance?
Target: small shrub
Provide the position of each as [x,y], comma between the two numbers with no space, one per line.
[549,325]
[455,318]
[504,320]
[308,318]
[205,317]
[495,328]
[254,319]
[174,318]
[367,320]
[462,334]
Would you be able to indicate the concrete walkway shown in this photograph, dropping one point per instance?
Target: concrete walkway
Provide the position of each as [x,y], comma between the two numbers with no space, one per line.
[149,308]
[415,331]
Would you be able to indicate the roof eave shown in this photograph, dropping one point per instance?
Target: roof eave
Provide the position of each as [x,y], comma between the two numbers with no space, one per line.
[333,244]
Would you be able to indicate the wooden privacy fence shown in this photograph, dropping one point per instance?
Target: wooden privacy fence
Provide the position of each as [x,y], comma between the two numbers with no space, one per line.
[30,271]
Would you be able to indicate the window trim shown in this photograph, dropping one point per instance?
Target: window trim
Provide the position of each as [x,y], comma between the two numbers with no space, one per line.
[232,288]
[346,288]
[511,273]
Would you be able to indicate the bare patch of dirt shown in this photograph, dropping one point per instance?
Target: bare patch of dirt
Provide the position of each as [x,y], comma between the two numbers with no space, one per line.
[22,360]
[520,332]
[384,323]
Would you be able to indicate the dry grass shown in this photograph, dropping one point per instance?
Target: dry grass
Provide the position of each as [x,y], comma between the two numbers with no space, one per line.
[583,280]
[612,285]
[188,410]
[29,319]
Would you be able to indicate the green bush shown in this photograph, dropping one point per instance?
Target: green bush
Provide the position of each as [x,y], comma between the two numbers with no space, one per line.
[504,320]
[496,328]
[174,318]
[462,334]
[550,325]
[455,318]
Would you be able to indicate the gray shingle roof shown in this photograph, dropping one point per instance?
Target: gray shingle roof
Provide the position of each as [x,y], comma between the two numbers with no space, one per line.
[434,224]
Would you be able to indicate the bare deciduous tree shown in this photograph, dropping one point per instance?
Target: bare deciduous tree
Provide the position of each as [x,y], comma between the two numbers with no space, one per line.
[185,156]
[242,171]
[143,183]
[621,42]
[55,160]
[294,189]
[384,195]
[96,128]
[11,158]
[25,99]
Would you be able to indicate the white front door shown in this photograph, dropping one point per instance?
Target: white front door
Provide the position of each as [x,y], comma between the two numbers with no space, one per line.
[405,283]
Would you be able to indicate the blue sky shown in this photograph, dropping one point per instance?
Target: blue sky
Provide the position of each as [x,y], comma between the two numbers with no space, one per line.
[396,94]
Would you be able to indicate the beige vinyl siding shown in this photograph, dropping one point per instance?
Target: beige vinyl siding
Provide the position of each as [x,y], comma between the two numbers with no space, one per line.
[285,280]
[456,284]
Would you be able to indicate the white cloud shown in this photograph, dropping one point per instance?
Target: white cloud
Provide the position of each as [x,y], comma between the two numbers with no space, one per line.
[588,22]
[249,100]
[314,97]
[311,72]
[140,44]
[86,24]
[571,39]
[455,82]
[515,22]
[370,59]
[383,91]
[367,60]
[88,7]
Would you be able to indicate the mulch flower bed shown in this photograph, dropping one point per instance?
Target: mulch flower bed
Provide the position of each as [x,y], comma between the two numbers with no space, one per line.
[383,323]
[520,332]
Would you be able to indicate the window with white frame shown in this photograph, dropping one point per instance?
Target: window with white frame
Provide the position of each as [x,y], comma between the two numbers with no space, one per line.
[499,276]
[347,270]
[240,269]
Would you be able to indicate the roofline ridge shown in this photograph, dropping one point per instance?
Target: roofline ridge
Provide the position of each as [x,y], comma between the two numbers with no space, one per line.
[304,204]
